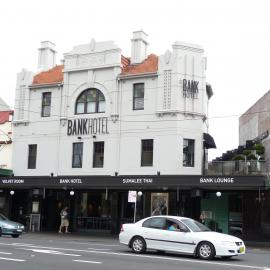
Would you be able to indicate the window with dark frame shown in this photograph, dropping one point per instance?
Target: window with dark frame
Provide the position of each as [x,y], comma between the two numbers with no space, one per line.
[98,155]
[32,156]
[147,153]
[90,101]
[77,155]
[138,96]
[155,223]
[188,152]
[46,104]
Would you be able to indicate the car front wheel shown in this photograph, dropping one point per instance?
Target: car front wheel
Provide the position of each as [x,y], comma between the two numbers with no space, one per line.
[15,235]
[206,251]
[0,232]
[138,245]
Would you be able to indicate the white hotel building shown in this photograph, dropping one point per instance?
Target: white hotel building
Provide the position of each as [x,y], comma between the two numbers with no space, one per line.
[101,124]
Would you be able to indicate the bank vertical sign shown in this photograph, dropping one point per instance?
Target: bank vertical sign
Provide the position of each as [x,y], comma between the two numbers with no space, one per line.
[190,89]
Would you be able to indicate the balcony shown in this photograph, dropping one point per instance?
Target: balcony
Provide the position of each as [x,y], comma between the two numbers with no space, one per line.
[238,167]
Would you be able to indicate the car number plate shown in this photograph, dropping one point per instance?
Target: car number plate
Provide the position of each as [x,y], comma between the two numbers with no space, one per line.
[241,249]
[19,230]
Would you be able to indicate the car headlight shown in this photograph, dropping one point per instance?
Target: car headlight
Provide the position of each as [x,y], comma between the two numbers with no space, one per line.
[22,227]
[227,243]
[8,226]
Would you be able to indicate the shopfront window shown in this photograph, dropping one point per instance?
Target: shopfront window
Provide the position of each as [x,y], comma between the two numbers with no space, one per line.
[188,152]
[93,210]
[236,215]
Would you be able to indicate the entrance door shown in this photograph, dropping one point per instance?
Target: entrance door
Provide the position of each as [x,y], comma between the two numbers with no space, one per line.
[55,201]
[216,212]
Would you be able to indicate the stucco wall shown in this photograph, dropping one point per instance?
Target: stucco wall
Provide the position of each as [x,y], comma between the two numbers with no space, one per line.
[168,121]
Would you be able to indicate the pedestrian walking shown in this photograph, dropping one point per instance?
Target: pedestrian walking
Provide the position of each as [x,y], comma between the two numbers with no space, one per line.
[64,220]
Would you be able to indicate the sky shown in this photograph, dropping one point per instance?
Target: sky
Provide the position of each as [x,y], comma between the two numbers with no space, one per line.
[235,35]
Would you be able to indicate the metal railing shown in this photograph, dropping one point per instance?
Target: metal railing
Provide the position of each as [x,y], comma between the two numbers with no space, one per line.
[237,167]
[93,223]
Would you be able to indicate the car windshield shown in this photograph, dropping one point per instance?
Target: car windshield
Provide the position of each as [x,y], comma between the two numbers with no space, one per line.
[2,217]
[195,226]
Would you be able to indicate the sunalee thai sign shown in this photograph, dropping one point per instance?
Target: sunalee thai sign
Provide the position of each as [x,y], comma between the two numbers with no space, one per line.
[190,88]
[137,180]
[87,126]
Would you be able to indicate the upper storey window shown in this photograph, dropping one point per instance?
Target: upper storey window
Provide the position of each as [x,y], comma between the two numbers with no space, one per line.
[46,104]
[138,96]
[90,101]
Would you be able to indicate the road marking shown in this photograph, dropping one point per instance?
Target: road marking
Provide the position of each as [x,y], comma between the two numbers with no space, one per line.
[48,251]
[20,244]
[86,261]
[10,259]
[6,253]
[152,257]
[93,244]
[100,249]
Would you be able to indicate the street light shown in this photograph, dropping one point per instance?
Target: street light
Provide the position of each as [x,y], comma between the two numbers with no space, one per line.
[218,194]
[12,192]
[71,193]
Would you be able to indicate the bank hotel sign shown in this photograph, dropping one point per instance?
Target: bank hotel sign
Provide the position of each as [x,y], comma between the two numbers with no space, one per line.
[87,126]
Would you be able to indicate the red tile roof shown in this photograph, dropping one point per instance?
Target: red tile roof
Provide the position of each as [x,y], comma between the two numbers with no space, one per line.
[150,64]
[4,116]
[54,75]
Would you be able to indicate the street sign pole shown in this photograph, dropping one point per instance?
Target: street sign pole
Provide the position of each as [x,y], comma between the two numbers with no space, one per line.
[132,198]
[135,209]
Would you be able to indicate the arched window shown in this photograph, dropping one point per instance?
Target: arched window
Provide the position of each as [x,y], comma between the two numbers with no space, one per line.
[90,101]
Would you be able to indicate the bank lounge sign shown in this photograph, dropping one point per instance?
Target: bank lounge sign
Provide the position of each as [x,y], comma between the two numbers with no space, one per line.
[217,180]
[87,126]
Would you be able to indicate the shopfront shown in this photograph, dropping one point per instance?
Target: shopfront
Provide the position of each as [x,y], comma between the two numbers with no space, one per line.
[100,203]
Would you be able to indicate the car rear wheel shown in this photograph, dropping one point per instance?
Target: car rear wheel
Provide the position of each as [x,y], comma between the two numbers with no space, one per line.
[206,250]
[15,235]
[138,245]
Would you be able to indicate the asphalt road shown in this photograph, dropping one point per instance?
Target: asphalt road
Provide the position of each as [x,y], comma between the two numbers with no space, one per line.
[68,252]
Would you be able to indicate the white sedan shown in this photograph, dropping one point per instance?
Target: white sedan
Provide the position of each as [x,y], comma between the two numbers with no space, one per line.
[179,234]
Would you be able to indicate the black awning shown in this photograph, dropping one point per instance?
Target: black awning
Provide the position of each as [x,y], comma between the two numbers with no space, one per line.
[137,182]
[208,141]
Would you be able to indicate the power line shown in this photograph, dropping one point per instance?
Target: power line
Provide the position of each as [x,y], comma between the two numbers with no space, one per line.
[114,91]
[119,120]
[194,118]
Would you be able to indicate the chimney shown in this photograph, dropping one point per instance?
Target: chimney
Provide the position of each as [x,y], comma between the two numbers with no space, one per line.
[138,47]
[46,56]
